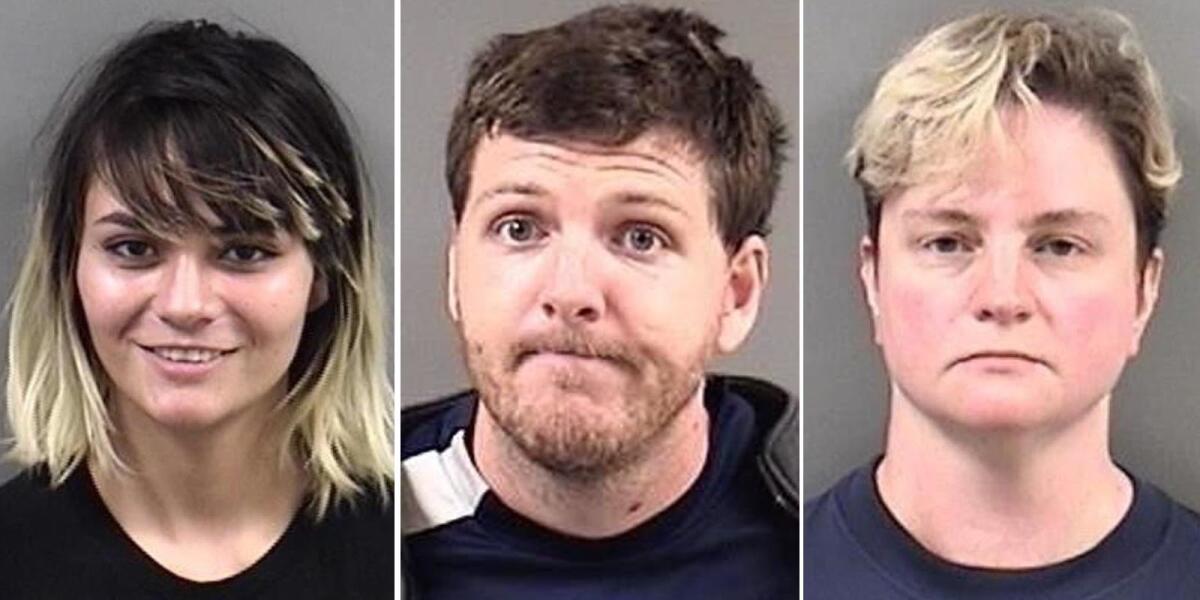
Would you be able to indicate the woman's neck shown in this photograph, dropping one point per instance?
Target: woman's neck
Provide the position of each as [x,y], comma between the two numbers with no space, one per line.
[1003,499]
[204,503]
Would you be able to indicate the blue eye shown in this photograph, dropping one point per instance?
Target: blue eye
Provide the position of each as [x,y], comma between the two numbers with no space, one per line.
[642,239]
[518,230]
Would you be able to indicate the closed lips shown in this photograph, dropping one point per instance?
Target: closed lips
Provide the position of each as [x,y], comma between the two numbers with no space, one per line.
[1002,354]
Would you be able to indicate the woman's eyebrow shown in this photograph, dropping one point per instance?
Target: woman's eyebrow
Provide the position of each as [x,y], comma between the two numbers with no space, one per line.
[122,219]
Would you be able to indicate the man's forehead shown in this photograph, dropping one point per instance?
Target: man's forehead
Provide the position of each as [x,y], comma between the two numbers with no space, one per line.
[659,148]
[653,165]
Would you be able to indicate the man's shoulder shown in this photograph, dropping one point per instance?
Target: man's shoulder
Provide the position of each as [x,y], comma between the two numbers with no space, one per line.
[430,425]
[776,413]
[776,410]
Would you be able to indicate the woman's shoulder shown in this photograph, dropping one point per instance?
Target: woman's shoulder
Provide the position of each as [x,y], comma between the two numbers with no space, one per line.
[39,523]
[27,494]
[368,512]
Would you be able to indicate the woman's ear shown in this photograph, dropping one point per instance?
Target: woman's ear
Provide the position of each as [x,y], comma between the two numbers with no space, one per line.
[318,294]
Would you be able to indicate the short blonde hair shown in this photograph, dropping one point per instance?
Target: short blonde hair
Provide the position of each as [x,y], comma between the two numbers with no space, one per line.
[940,101]
[186,119]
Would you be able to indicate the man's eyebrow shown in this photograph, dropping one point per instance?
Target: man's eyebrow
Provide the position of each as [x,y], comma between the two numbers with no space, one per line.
[1066,216]
[949,216]
[513,188]
[646,199]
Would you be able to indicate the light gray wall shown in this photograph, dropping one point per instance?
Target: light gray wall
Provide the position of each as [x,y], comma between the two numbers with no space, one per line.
[42,44]
[438,39]
[1156,406]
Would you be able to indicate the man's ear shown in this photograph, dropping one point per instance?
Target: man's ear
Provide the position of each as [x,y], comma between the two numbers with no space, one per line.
[868,263]
[452,279]
[1151,278]
[749,270]
[318,293]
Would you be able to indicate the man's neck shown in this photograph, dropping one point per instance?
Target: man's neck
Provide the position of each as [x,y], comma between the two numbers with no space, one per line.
[605,506]
[1002,499]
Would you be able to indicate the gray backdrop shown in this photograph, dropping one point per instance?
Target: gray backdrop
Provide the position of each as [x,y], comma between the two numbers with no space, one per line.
[438,39]
[1156,406]
[42,44]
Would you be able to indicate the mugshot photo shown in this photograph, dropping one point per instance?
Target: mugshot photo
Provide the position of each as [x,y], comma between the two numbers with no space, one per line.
[999,314]
[600,203]
[197,266]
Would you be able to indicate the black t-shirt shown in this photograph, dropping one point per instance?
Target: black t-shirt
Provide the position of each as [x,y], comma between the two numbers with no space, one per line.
[724,539]
[855,549]
[63,543]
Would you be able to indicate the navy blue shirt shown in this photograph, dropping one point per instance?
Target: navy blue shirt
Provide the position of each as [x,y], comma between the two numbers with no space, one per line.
[855,549]
[725,538]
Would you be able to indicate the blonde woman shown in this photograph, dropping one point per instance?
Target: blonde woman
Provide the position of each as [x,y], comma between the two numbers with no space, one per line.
[196,384]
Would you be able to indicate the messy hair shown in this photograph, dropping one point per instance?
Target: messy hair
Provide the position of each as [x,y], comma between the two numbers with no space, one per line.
[937,105]
[185,122]
[615,73]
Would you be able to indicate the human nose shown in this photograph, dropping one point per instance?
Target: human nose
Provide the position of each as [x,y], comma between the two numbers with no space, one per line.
[185,299]
[573,291]
[1002,293]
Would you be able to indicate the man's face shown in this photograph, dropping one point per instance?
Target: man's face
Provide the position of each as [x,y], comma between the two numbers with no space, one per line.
[1009,298]
[590,287]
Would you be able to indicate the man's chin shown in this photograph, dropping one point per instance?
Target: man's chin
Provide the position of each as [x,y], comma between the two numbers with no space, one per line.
[577,446]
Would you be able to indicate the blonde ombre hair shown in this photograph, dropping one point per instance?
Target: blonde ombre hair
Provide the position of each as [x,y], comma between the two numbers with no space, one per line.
[185,121]
[937,105]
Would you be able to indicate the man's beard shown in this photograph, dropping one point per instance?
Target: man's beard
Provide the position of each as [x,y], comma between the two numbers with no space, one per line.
[547,428]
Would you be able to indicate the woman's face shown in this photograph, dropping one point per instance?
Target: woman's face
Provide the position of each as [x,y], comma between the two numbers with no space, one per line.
[192,331]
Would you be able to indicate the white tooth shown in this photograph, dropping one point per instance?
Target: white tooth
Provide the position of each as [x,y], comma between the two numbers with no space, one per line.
[187,355]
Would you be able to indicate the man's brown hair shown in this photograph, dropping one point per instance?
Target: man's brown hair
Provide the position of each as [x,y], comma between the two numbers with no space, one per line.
[615,73]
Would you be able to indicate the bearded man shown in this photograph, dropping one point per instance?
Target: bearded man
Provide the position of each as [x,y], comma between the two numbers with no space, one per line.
[612,178]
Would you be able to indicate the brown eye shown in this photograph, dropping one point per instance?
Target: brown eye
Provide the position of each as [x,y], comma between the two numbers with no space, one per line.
[245,255]
[132,249]
[1059,247]
[945,244]
[133,253]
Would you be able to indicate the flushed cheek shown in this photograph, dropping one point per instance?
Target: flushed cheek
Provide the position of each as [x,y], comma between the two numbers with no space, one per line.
[915,321]
[1096,330]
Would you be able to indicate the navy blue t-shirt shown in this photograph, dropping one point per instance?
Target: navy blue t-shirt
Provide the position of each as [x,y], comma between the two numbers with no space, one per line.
[725,538]
[855,549]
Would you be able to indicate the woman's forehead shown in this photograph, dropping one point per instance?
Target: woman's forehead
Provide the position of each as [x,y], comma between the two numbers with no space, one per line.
[172,215]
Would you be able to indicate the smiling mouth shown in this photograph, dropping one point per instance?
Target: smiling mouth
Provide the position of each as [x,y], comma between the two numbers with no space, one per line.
[186,355]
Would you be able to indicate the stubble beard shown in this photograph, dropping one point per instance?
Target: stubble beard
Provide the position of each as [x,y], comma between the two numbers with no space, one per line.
[550,433]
